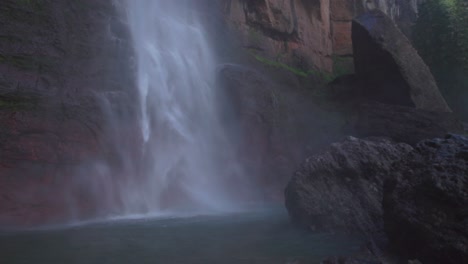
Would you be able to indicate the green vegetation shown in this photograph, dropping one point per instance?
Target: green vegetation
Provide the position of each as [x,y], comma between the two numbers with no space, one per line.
[30,63]
[16,103]
[280,65]
[341,66]
[26,2]
[441,37]
[255,38]
[327,77]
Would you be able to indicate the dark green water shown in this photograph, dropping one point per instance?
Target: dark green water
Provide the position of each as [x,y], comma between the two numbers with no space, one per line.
[259,237]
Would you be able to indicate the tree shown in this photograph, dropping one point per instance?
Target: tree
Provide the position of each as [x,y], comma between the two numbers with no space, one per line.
[441,37]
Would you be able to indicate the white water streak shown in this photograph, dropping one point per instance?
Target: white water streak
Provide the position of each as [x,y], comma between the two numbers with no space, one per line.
[188,159]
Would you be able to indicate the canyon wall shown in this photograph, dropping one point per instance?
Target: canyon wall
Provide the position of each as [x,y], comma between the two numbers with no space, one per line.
[308,34]
[60,62]
[65,66]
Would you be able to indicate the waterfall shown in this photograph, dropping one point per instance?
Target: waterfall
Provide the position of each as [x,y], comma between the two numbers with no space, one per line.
[187,159]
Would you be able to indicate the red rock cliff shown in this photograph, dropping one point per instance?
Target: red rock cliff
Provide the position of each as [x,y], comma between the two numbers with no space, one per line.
[308,34]
[57,60]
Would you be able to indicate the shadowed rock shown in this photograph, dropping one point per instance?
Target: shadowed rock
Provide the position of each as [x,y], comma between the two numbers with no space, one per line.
[341,188]
[276,118]
[390,69]
[426,202]
[404,124]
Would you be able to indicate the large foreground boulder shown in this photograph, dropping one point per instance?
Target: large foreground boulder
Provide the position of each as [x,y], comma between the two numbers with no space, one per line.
[402,123]
[341,188]
[426,203]
[389,68]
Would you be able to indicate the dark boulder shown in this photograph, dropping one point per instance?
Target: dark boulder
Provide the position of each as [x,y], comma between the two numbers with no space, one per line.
[341,188]
[403,124]
[426,202]
[389,68]
[366,255]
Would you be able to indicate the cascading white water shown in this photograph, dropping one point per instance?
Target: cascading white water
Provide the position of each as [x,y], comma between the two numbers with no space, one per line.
[188,159]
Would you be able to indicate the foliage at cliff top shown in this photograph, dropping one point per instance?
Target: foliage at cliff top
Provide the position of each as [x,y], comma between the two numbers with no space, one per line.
[441,37]
[325,76]
[441,33]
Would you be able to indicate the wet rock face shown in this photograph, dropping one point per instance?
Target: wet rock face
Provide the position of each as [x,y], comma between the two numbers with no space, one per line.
[292,30]
[403,124]
[342,187]
[276,117]
[390,69]
[51,48]
[425,203]
[60,61]
[308,33]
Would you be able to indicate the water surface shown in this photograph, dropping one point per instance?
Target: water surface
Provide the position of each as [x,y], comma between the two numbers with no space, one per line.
[253,237]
